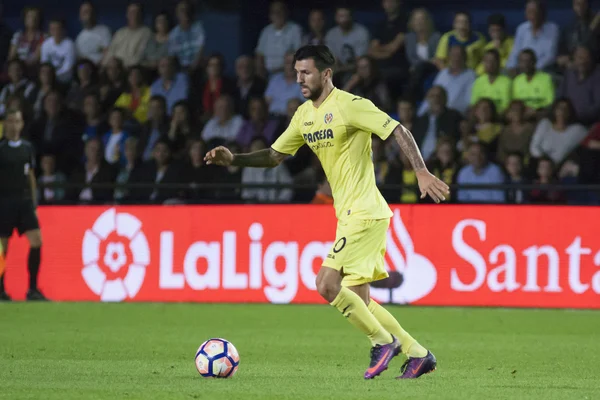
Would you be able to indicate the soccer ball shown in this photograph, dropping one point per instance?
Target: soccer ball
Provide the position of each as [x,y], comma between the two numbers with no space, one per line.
[217,358]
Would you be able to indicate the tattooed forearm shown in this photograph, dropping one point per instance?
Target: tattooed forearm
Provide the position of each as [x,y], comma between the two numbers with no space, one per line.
[267,158]
[409,147]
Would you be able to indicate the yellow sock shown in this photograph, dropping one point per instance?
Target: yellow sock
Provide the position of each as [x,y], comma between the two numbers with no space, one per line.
[356,311]
[410,346]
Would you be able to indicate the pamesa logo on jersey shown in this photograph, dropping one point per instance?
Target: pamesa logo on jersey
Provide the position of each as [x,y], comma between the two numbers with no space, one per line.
[314,137]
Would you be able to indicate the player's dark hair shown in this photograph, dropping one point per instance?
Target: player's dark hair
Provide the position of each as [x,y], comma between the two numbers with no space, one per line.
[320,54]
[497,20]
[531,53]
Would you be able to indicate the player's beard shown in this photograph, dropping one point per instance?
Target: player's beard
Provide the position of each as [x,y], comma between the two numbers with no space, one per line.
[314,93]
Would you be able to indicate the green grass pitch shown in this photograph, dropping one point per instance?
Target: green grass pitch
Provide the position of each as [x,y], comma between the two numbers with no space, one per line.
[145,351]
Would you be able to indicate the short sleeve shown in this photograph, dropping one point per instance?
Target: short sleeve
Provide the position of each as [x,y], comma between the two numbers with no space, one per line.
[291,140]
[364,115]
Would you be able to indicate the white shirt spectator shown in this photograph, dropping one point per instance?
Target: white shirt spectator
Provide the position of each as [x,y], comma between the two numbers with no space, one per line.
[227,130]
[128,45]
[555,144]
[61,56]
[111,153]
[346,47]
[91,43]
[279,174]
[458,87]
[273,44]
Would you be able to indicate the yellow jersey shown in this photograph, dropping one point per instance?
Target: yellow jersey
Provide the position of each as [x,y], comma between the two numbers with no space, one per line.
[339,133]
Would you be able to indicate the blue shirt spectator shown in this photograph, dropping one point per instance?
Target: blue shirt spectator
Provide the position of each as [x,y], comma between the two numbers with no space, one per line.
[282,87]
[480,171]
[186,40]
[170,85]
[538,35]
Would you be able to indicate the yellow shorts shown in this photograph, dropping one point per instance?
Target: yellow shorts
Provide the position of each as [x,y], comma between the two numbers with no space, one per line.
[359,250]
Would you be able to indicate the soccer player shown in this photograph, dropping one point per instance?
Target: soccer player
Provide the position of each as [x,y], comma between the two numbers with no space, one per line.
[337,126]
[17,198]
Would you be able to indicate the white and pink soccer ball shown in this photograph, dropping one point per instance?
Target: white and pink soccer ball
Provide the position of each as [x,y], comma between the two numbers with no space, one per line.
[217,358]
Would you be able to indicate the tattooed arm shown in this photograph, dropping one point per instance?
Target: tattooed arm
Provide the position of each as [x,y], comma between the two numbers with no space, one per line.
[267,158]
[428,184]
[409,147]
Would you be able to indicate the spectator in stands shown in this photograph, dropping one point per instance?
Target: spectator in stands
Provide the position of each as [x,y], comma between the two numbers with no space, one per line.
[583,31]
[516,134]
[216,84]
[590,156]
[129,42]
[137,97]
[58,131]
[86,82]
[570,174]
[259,124]
[26,45]
[492,85]
[443,164]
[157,46]
[366,82]
[114,139]
[113,82]
[439,120]
[46,83]
[536,34]
[196,172]
[316,28]
[94,171]
[480,171]
[487,126]
[421,43]
[164,171]
[181,129]
[282,87]
[277,175]
[388,47]
[225,124]
[94,39]
[463,36]
[50,176]
[276,40]
[545,177]
[500,41]
[186,40]
[156,127]
[6,34]
[457,79]
[348,41]
[229,176]
[533,87]
[513,164]
[406,112]
[171,85]
[249,85]
[59,50]
[581,85]
[18,85]
[555,137]
[95,124]
[132,163]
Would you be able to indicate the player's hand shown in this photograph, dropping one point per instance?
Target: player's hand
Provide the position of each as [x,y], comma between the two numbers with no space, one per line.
[432,186]
[219,156]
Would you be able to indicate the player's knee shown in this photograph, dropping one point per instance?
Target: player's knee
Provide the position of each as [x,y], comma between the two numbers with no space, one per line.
[35,239]
[327,288]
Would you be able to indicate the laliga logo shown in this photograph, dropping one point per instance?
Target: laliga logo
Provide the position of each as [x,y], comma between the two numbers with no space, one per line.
[115,255]
[419,274]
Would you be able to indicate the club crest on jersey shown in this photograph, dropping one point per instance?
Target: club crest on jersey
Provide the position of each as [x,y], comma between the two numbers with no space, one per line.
[328,118]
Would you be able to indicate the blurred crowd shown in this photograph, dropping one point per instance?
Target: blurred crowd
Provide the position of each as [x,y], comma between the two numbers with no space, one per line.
[143,104]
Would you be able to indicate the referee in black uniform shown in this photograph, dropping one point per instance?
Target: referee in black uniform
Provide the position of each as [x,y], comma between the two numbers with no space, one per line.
[17,198]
